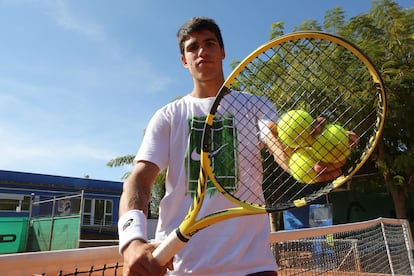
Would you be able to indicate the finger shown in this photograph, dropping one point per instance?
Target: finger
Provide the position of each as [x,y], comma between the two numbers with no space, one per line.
[318,126]
[353,139]
[137,269]
[170,265]
[273,128]
[327,167]
[329,175]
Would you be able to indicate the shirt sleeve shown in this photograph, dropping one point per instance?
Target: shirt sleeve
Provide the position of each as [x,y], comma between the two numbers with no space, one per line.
[155,145]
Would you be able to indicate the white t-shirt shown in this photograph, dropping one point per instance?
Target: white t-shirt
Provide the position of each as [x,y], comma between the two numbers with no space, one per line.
[238,246]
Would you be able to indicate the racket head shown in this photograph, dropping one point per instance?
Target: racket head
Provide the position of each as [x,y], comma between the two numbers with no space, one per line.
[319,73]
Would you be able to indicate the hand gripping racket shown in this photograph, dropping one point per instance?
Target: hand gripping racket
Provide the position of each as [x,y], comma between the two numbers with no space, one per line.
[312,73]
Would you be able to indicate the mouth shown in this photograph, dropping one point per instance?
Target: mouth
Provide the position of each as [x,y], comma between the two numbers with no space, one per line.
[203,61]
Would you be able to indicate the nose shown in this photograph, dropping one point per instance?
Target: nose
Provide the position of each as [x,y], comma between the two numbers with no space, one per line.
[202,52]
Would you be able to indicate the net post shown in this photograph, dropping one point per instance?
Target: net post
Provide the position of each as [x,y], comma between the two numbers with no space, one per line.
[407,233]
[387,248]
[356,255]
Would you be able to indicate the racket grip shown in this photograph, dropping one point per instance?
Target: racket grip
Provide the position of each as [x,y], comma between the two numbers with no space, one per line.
[169,247]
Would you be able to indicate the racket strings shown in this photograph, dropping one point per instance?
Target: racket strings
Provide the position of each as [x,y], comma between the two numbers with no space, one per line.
[318,76]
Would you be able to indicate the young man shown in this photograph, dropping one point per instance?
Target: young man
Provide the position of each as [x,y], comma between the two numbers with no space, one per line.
[234,247]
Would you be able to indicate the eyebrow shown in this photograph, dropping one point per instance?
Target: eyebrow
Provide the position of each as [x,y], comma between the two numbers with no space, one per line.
[209,39]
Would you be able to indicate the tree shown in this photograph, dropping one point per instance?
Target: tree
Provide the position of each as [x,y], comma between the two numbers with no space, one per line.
[396,159]
[122,161]
[386,35]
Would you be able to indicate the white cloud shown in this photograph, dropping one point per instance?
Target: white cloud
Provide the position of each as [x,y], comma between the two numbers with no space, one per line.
[41,154]
[18,146]
[60,12]
[125,66]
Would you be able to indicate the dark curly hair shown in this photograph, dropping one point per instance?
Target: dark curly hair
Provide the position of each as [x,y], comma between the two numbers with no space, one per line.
[197,24]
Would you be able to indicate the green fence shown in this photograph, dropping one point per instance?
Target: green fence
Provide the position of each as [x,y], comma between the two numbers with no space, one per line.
[52,233]
[53,224]
[13,234]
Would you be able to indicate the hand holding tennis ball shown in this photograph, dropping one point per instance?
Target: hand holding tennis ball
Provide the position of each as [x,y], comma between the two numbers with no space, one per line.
[332,145]
[295,128]
[301,165]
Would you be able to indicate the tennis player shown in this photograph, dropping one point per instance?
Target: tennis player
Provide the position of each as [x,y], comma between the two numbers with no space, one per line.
[238,246]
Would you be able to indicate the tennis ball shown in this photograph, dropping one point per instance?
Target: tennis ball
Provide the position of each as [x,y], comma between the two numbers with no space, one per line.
[332,145]
[294,129]
[301,165]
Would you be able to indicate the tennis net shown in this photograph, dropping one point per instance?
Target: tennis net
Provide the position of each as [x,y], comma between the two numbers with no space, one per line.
[377,247]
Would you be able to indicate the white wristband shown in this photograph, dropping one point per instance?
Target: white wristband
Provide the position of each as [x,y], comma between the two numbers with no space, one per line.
[131,226]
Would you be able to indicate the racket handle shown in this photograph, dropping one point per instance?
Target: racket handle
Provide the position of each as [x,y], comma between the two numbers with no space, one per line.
[171,245]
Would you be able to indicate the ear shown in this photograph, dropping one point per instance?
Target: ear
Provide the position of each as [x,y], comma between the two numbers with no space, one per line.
[223,53]
[184,61]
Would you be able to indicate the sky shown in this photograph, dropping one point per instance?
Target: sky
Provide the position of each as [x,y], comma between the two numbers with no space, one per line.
[79,80]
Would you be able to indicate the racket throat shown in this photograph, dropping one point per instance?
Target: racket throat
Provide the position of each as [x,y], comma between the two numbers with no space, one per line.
[181,236]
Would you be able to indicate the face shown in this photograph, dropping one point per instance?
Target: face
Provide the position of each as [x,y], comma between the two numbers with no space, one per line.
[203,56]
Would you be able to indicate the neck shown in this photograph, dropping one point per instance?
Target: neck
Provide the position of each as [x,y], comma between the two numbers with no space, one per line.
[207,89]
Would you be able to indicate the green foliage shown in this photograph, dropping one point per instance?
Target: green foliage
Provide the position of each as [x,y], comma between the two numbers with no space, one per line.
[334,20]
[276,29]
[121,161]
[158,189]
[398,180]
[308,25]
[157,193]
[386,35]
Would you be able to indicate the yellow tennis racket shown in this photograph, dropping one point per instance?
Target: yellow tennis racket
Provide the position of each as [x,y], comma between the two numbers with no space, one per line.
[269,107]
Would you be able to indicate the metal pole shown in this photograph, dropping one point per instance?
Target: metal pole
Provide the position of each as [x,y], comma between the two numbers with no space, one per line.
[52,222]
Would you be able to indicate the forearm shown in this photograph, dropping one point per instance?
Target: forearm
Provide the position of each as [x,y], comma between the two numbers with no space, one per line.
[133,206]
[136,192]
[134,196]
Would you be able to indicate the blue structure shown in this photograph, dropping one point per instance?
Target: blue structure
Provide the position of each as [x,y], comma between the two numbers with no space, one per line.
[100,198]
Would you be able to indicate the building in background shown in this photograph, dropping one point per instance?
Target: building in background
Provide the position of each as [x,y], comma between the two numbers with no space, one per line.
[64,210]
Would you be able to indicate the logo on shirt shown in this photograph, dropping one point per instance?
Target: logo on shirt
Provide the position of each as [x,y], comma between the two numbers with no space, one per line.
[195,156]
[223,154]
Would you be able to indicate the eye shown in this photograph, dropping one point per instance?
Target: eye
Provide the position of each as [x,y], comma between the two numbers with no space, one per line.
[192,47]
[212,43]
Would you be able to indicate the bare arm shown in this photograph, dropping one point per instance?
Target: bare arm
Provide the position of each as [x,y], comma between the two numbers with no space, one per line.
[137,188]
[136,194]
